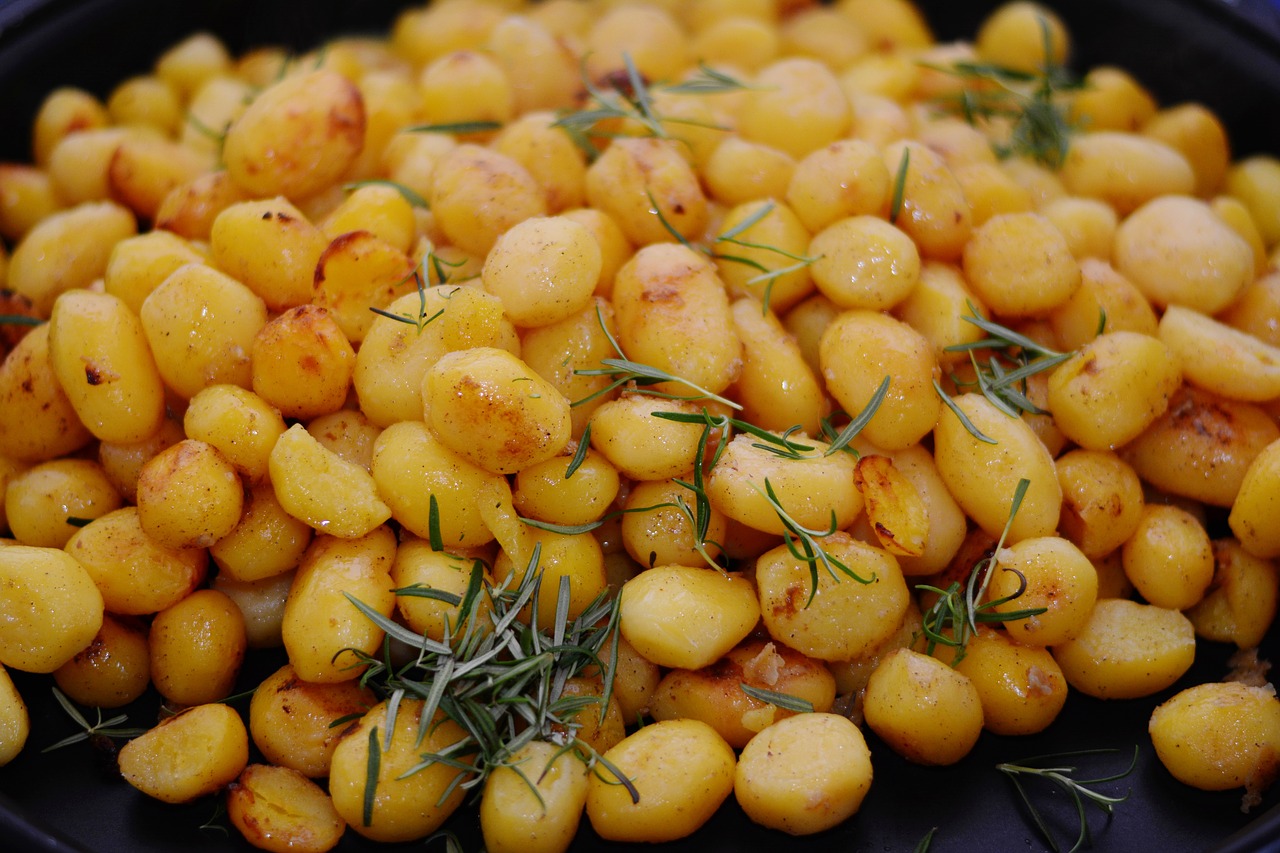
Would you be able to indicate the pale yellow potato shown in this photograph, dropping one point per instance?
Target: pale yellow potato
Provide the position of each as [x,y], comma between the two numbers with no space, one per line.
[983,477]
[265,542]
[26,196]
[841,616]
[1201,447]
[1021,687]
[1126,170]
[632,171]
[715,694]
[1111,99]
[1020,265]
[189,496]
[146,99]
[270,246]
[80,164]
[797,107]
[934,211]
[543,75]
[491,408]
[946,522]
[197,646]
[292,721]
[1127,650]
[190,210]
[280,810]
[418,564]
[54,608]
[262,605]
[819,200]
[135,574]
[191,61]
[42,503]
[15,722]
[217,102]
[39,421]
[143,171]
[1057,577]
[1220,358]
[64,111]
[533,802]
[656,531]
[317,486]
[743,39]
[1219,736]
[465,86]
[596,725]
[1101,500]
[1255,503]
[348,433]
[1179,252]
[113,670]
[297,137]
[936,308]
[544,270]
[549,492]
[187,756]
[421,35]
[565,560]
[101,359]
[1254,180]
[1087,224]
[643,447]
[777,388]
[1169,558]
[1240,603]
[1113,388]
[357,272]
[379,209]
[740,170]
[672,314]
[478,193]
[683,772]
[403,807]
[815,489]
[1106,301]
[687,617]
[804,774]
[864,262]
[240,424]
[857,351]
[395,355]
[322,627]
[302,363]
[766,233]
[926,711]
[649,34]
[201,325]
[138,264]
[991,190]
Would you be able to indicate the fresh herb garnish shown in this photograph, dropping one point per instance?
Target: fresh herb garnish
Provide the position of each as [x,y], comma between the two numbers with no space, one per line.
[785,701]
[95,732]
[899,185]
[767,275]
[407,193]
[19,320]
[954,618]
[1079,791]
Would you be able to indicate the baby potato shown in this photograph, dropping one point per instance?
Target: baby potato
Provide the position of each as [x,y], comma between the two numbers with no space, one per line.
[1126,170]
[804,774]
[15,722]
[357,274]
[1021,687]
[52,608]
[682,771]
[533,802]
[451,575]
[550,491]
[478,193]
[297,137]
[642,182]
[292,721]
[923,709]
[113,670]
[1169,558]
[43,502]
[402,806]
[844,616]
[777,388]
[138,264]
[544,270]
[764,234]
[189,755]
[936,308]
[896,513]
[1240,603]
[1020,265]
[322,628]
[1219,736]
[864,262]
[1202,445]
[270,246]
[656,530]
[491,408]
[934,212]
[715,695]
[67,250]
[261,603]
[189,496]
[239,424]
[317,486]
[39,421]
[819,201]
[1052,574]
[101,359]
[1255,504]
[135,574]
[190,210]
[1101,500]
[280,810]
[1126,650]
[1220,358]
[687,617]
[197,646]
[302,363]
[643,447]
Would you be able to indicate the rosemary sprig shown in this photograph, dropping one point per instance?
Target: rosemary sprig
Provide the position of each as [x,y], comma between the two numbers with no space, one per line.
[622,371]
[803,544]
[767,275]
[1040,127]
[419,278]
[92,732]
[707,81]
[459,128]
[19,320]
[785,701]
[954,618]
[1078,789]
[409,194]
[502,680]
[899,186]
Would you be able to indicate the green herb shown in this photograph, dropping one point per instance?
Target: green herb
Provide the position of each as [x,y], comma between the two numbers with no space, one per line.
[501,680]
[407,193]
[767,275]
[785,701]
[707,81]
[623,371]
[803,544]
[19,320]
[434,536]
[457,127]
[1011,360]
[213,824]
[927,841]
[899,186]
[1078,790]
[1031,101]
[954,618]
[372,769]
[579,453]
[421,320]
[76,521]
[93,732]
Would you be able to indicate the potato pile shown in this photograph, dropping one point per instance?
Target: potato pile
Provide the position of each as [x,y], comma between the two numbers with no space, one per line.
[707,308]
